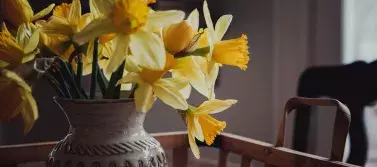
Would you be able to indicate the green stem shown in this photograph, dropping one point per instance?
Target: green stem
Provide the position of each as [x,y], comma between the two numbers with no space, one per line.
[102,82]
[93,82]
[132,95]
[78,77]
[113,91]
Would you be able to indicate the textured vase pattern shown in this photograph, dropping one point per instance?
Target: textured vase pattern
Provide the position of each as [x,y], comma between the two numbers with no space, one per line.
[105,133]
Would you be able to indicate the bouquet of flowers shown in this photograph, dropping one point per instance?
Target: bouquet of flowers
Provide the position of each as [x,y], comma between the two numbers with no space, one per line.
[126,47]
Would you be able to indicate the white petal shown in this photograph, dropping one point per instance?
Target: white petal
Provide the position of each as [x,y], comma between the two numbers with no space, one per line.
[193,19]
[159,19]
[214,106]
[144,98]
[170,95]
[121,43]
[207,16]
[93,30]
[130,78]
[148,50]
[222,26]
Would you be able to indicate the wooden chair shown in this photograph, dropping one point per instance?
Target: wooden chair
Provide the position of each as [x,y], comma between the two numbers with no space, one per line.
[249,149]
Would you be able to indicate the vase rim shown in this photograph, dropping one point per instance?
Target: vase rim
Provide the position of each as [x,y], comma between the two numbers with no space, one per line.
[92,101]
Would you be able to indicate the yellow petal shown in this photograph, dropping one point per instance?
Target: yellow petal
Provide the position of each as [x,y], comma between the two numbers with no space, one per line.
[16,11]
[207,16]
[95,29]
[210,35]
[10,51]
[131,64]
[212,76]
[198,129]
[21,38]
[178,83]
[43,12]
[74,12]
[214,106]
[29,56]
[30,113]
[169,95]
[193,146]
[194,127]
[148,50]
[11,101]
[186,91]
[191,135]
[144,98]
[222,26]
[129,16]
[187,68]
[12,88]
[5,30]
[121,43]
[159,19]
[62,10]
[193,19]
[211,127]
[101,7]
[32,43]
[130,78]
[17,79]
[232,52]
[57,26]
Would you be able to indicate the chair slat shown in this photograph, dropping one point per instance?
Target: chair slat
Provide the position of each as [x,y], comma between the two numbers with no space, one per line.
[278,156]
[223,158]
[245,161]
[180,157]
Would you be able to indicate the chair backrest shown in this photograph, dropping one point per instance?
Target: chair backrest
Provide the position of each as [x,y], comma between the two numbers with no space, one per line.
[248,149]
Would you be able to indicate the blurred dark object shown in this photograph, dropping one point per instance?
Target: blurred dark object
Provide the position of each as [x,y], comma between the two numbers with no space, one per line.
[354,85]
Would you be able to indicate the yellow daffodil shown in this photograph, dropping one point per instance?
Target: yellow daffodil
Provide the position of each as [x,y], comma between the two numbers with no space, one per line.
[150,84]
[232,52]
[178,37]
[17,12]
[66,20]
[201,125]
[134,24]
[16,98]
[22,49]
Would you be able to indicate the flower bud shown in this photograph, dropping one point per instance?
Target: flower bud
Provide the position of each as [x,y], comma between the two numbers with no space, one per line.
[177,36]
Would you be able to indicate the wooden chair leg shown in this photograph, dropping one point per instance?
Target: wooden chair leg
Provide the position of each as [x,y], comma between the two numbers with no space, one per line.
[223,158]
[245,162]
[180,157]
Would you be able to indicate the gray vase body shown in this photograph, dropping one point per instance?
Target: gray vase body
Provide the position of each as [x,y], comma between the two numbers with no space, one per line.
[105,133]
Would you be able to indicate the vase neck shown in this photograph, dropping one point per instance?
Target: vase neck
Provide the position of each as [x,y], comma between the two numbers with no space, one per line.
[109,117]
